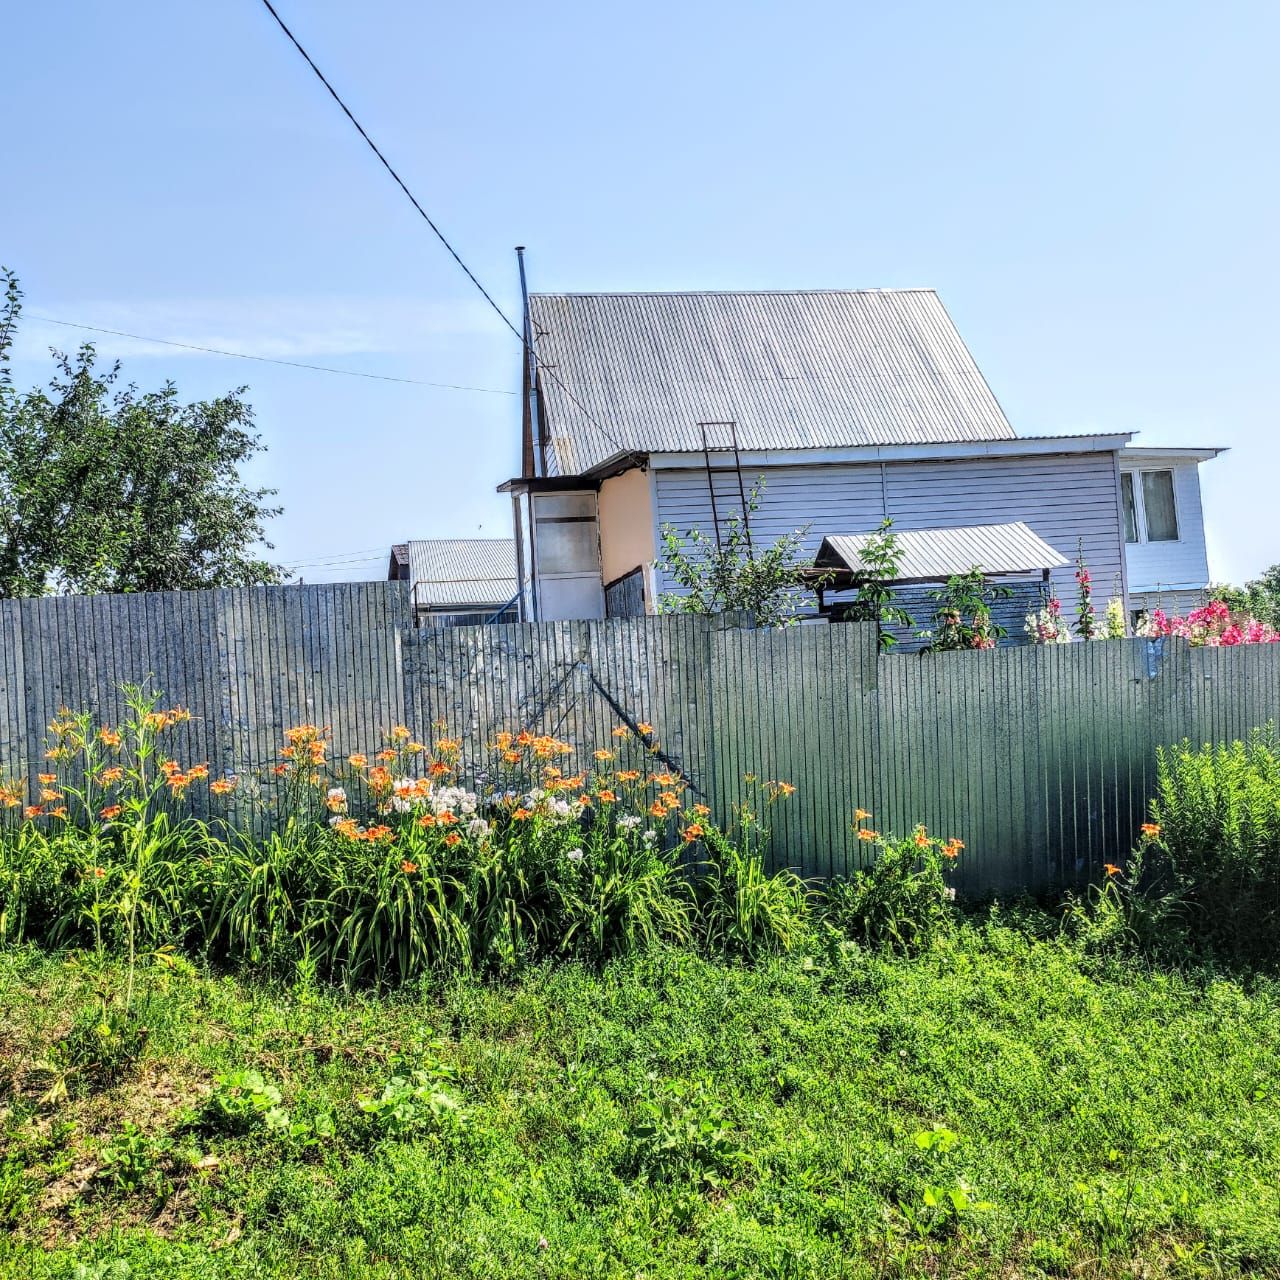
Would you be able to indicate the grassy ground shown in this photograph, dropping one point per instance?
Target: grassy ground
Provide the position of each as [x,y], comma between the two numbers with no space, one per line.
[672,1117]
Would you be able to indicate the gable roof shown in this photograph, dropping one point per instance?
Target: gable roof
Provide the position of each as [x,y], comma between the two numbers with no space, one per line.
[933,555]
[794,370]
[462,571]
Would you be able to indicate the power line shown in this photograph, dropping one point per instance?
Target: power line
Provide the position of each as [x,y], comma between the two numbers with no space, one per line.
[453,253]
[292,364]
[386,164]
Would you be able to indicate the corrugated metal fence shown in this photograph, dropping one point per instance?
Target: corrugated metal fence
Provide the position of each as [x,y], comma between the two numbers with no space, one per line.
[1040,759]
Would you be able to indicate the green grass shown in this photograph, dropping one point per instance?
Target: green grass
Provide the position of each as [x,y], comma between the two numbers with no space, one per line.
[671,1116]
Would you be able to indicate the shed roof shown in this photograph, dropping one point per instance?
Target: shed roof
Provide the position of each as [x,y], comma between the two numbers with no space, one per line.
[462,571]
[933,555]
[793,369]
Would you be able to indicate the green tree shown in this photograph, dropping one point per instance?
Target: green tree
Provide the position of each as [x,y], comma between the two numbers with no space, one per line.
[963,617]
[879,561]
[734,573]
[107,488]
[1259,597]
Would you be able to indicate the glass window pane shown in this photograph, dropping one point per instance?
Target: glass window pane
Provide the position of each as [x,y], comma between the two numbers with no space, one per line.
[565,504]
[568,547]
[1130,511]
[1157,500]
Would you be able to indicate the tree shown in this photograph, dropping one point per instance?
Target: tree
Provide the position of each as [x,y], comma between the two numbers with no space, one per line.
[879,561]
[963,617]
[1259,598]
[733,573]
[107,488]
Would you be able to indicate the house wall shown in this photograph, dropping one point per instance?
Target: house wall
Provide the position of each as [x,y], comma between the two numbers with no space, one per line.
[1164,567]
[1065,498]
[626,524]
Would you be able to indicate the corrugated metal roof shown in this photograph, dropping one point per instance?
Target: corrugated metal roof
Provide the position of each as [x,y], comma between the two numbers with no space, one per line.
[458,571]
[935,554]
[795,370]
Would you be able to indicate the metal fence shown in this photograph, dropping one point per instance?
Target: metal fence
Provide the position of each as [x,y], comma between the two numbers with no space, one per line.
[1041,759]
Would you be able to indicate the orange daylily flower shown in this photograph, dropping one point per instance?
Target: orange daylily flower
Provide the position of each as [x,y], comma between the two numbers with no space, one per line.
[357,760]
[861,815]
[702,810]
[1151,829]
[603,754]
[47,779]
[864,833]
[645,727]
[521,815]
[606,796]
[1111,869]
[692,832]
[109,812]
[453,838]
[408,867]
[222,786]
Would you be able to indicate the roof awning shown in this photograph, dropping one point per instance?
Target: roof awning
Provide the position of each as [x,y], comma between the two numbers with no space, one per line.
[934,555]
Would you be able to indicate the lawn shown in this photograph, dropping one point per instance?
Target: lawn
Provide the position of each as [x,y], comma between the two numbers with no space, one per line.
[1000,1105]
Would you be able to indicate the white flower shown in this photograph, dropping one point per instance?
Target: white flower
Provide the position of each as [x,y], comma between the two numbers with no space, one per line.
[477,827]
[337,795]
[650,836]
[950,893]
[400,804]
[630,821]
[575,855]
[337,818]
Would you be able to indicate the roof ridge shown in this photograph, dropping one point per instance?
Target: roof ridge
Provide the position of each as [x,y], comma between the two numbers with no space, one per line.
[722,293]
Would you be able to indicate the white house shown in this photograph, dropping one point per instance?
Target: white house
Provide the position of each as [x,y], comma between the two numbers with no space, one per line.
[647,409]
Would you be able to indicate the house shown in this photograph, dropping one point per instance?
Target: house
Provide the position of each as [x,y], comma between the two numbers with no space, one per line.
[1165,555]
[847,406]
[457,581]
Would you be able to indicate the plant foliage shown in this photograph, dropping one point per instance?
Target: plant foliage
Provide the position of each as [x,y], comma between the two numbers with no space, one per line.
[107,488]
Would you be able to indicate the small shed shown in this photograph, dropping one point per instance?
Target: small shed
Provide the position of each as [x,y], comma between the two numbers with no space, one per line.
[458,581]
[1012,555]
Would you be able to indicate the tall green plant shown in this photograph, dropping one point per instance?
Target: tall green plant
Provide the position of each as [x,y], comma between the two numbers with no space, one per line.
[963,618]
[1215,841]
[716,575]
[879,563]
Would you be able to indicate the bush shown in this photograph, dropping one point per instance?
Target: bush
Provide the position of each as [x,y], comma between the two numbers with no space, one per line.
[902,902]
[379,869]
[1214,843]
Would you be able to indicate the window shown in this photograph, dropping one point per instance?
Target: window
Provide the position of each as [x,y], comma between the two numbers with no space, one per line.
[1130,507]
[1157,502]
[1150,509]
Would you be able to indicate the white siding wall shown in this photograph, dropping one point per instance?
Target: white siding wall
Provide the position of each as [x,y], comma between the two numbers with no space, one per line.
[1157,566]
[1064,498]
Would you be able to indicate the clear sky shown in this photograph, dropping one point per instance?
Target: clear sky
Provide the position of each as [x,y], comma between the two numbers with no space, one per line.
[1093,188]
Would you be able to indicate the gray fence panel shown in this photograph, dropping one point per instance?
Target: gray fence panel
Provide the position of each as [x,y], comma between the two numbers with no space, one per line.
[1041,759]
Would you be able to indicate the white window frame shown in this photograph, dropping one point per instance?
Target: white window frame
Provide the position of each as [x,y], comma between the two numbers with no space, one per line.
[1140,506]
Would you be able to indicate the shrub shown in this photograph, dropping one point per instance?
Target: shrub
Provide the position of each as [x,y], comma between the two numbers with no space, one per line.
[902,901]
[1214,842]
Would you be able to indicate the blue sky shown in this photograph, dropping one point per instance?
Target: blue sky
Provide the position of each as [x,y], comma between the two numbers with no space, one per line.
[1092,188]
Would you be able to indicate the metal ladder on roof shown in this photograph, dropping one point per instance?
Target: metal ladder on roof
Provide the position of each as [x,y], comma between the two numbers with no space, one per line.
[732,447]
